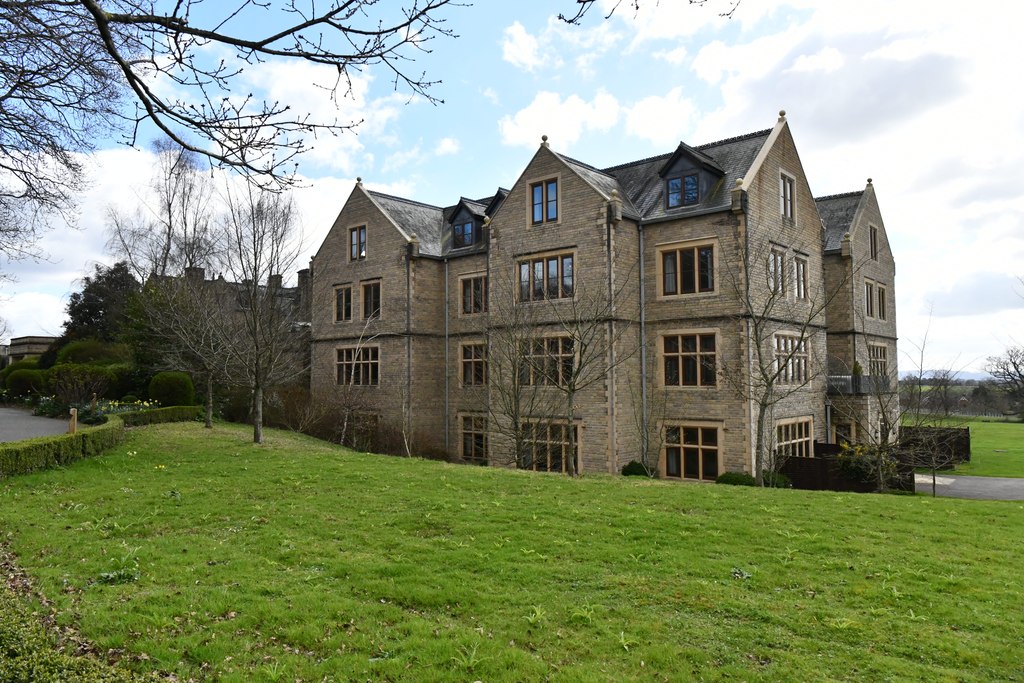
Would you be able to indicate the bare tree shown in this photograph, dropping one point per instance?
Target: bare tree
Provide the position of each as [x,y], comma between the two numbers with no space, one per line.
[584,6]
[269,346]
[173,230]
[1008,372]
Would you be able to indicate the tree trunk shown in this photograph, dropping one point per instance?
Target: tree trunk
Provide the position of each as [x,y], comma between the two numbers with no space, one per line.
[570,467]
[762,411]
[257,414]
[209,401]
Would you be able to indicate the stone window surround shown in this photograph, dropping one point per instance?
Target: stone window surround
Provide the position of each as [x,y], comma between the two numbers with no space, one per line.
[474,420]
[795,442]
[792,350]
[365,358]
[544,256]
[465,280]
[681,424]
[544,184]
[576,425]
[659,249]
[363,285]
[471,362]
[660,356]
[787,195]
[338,288]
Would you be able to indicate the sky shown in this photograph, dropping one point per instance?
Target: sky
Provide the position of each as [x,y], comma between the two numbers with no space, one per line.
[919,96]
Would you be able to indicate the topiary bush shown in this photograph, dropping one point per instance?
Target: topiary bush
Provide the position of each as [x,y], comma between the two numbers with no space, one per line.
[24,382]
[172,389]
[635,468]
[95,352]
[736,479]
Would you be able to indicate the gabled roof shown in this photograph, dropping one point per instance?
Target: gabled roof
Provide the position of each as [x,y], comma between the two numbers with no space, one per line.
[685,150]
[415,218]
[600,181]
[642,184]
[837,212]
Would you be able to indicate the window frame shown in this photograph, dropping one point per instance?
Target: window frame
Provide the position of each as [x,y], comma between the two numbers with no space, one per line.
[473,364]
[474,236]
[477,296]
[792,358]
[800,270]
[544,202]
[365,300]
[776,270]
[698,354]
[702,448]
[873,242]
[682,193]
[880,305]
[529,291]
[538,369]
[478,438]
[787,195]
[878,360]
[357,243]
[869,298]
[364,363]
[532,442]
[703,268]
[338,289]
[797,443]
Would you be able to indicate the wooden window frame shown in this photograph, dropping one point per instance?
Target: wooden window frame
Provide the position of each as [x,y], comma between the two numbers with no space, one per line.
[684,438]
[776,267]
[681,195]
[869,298]
[800,266]
[473,364]
[343,313]
[458,237]
[787,195]
[792,359]
[699,278]
[538,284]
[553,447]
[473,430]
[790,439]
[470,293]
[542,201]
[697,357]
[548,361]
[365,300]
[357,366]
[357,243]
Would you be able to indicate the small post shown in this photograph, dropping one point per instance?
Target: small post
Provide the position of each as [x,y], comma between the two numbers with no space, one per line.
[73,425]
[92,405]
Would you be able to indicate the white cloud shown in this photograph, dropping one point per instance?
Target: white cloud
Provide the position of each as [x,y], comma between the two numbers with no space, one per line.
[563,121]
[674,57]
[491,95]
[446,146]
[663,120]
[401,159]
[827,60]
[521,49]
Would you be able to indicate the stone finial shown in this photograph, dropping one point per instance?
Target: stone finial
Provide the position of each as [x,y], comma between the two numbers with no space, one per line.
[543,140]
[782,115]
[359,181]
[487,220]
[869,181]
[615,194]
[739,182]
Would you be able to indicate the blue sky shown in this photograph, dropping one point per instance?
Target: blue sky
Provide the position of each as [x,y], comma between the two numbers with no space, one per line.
[917,95]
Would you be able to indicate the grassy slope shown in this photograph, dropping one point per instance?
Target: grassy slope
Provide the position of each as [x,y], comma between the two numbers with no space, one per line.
[997,449]
[298,560]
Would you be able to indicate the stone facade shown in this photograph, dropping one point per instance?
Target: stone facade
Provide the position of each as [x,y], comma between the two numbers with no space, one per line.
[650,311]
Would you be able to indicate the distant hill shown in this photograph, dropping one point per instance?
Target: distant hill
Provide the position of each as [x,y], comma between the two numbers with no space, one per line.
[962,376]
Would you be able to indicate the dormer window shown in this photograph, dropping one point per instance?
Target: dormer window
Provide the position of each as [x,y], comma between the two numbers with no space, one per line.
[683,191]
[464,235]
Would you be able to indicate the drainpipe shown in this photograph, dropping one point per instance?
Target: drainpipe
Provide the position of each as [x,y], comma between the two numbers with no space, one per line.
[644,408]
[411,250]
[612,218]
[739,208]
[447,426]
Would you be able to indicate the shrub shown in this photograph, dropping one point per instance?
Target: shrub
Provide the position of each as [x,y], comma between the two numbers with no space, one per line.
[777,480]
[95,352]
[79,383]
[24,382]
[129,398]
[736,479]
[635,468]
[172,389]
[47,452]
[27,364]
[161,415]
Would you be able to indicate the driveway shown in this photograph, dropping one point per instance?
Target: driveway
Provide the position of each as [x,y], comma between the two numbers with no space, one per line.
[983,488]
[18,423]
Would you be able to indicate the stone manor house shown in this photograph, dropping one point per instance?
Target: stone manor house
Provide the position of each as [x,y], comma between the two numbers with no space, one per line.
[660,309]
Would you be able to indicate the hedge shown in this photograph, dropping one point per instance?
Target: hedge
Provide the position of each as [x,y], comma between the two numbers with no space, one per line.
[21,457]
[158,415]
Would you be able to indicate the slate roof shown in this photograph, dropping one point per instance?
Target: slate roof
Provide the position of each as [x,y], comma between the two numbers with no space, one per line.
[415,218]
[837,212]
[603,182]
[641,183]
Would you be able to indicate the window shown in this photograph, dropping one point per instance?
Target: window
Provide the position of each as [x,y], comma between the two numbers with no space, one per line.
[689,360]
[873,239]
[474,439]
[547,277]
[691,452]
[464,235]
[474,294]
[881,302]
[343,304]
[793,439]
[359,365]
[357,243]
[548,361]
[878,360]
[688,270]
[791,359]
[800,277]
[548,447]
[371,300]
[869,299]
[682,191]
[786,196]
[777,271]
[544,202]
[474,365]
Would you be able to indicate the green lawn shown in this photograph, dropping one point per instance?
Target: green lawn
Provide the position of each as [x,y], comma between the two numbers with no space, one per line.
[298,560]
[997,449]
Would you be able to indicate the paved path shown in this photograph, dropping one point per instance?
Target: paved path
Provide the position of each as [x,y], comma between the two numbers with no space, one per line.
[18,423]
[985,488]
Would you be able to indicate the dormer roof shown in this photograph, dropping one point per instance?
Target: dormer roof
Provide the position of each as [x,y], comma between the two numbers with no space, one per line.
[699,158]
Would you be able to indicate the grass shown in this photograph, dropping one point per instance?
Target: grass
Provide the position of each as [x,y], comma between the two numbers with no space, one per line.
[199,553]
[997,449]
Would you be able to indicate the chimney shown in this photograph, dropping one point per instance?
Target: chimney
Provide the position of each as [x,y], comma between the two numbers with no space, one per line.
[274,282]
[195,274]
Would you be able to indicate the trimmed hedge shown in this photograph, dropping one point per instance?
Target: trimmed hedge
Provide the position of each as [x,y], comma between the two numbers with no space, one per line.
[158,415]
[736,479]
[28,654]
[21,457]
[172,389]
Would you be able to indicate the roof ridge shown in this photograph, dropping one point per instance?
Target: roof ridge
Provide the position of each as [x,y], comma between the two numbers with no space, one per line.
[637,162]
[583,164]
[841,195]
[404,199]
[737,138]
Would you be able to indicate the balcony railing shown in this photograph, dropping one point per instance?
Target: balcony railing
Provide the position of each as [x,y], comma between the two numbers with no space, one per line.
[858,384]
